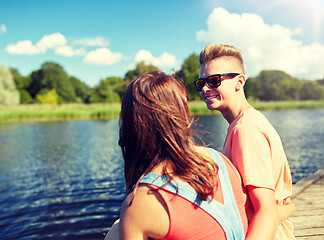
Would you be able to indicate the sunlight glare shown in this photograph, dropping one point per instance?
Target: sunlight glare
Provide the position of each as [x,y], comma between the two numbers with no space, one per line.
[317,12]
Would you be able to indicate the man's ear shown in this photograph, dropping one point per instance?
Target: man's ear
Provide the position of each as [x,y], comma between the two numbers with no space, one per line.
[240,82]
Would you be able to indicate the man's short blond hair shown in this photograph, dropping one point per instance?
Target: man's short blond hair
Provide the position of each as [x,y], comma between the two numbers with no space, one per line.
[213,51]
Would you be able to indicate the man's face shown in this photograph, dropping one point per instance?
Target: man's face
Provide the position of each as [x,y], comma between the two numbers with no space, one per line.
[218,98]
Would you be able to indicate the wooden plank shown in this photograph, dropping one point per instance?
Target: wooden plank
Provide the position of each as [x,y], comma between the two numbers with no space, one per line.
[303,222]
[308,211]
[309,232]
[319,237]
[308,197]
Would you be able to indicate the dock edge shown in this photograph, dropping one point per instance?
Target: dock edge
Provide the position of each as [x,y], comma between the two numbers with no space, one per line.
[300,186]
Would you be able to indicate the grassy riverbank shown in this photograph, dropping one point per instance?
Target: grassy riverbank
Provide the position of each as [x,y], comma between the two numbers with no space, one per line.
[199,108]
[43,112]
[104,111]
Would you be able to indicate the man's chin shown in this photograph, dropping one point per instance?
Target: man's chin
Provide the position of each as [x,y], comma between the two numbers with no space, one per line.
[212,107]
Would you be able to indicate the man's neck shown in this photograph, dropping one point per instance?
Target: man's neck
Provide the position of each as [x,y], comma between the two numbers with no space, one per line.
[236,109]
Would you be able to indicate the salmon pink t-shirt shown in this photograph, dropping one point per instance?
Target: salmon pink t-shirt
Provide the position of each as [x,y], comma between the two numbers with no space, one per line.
[256,150]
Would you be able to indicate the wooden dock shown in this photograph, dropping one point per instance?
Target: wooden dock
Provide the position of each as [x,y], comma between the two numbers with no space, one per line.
[308,196]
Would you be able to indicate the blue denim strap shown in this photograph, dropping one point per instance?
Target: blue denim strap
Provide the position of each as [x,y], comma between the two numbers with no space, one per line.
[230,206]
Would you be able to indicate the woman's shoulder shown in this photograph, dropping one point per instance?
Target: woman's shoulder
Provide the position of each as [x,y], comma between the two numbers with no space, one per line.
[145,197]
[148,205]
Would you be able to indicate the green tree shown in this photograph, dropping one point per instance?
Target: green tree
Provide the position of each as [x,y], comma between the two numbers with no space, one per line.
[277,85]
[52,76]
[291,87]
[81,90]
[14,72]
[321,82]
[108,90]
[22,84]
[252,88]
[48,97]
[9,95]
[270,85]
[141,68]
[189,72]
[25,97]
[311,90]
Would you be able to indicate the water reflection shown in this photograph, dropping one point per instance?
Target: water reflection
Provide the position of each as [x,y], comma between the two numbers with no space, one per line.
[59,179]
[302,134]
[64,180]
[212,130]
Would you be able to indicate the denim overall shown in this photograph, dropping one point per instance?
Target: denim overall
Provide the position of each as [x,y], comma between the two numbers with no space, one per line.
[226,215]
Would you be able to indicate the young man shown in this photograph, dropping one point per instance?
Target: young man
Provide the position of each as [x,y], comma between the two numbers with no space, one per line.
[252,144]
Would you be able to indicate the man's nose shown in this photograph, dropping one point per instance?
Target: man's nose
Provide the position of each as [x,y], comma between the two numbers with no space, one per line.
[206,87]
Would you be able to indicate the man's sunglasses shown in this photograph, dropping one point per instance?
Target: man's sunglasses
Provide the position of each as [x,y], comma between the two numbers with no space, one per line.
[213,81]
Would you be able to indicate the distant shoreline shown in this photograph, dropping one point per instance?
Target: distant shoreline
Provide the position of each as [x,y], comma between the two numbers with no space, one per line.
[74,111]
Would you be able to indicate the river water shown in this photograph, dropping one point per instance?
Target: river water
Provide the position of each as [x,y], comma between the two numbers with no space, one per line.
[64,180]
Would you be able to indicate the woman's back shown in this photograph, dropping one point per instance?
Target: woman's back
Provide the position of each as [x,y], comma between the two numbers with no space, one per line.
[176,217]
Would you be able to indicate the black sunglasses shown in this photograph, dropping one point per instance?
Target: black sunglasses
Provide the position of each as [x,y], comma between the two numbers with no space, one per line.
[213,81]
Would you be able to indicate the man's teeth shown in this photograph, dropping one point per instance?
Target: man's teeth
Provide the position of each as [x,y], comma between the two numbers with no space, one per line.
[210,97]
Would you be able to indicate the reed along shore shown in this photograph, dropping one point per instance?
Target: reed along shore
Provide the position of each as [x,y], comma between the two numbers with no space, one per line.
[44,112]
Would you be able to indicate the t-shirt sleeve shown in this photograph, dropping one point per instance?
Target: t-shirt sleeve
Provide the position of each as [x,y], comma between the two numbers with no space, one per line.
[251,154]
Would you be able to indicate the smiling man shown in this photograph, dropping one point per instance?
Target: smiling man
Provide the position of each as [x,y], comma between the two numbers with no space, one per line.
[252,144]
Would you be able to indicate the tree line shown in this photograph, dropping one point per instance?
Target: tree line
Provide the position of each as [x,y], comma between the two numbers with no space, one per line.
[52,85]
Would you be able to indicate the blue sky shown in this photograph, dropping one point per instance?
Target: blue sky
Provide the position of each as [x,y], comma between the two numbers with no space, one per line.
[95,39]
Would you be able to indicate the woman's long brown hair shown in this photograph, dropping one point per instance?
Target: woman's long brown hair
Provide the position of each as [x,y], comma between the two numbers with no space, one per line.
[155,128]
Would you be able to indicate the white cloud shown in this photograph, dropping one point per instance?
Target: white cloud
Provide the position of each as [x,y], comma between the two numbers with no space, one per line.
[264,46]
[46,42]
[23,47]
[166,59]
[51,41]
[102,57]
[92,42]
[68,51]
[3,29]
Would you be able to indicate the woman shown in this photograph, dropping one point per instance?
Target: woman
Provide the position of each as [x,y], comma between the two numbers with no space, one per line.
[176,190]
